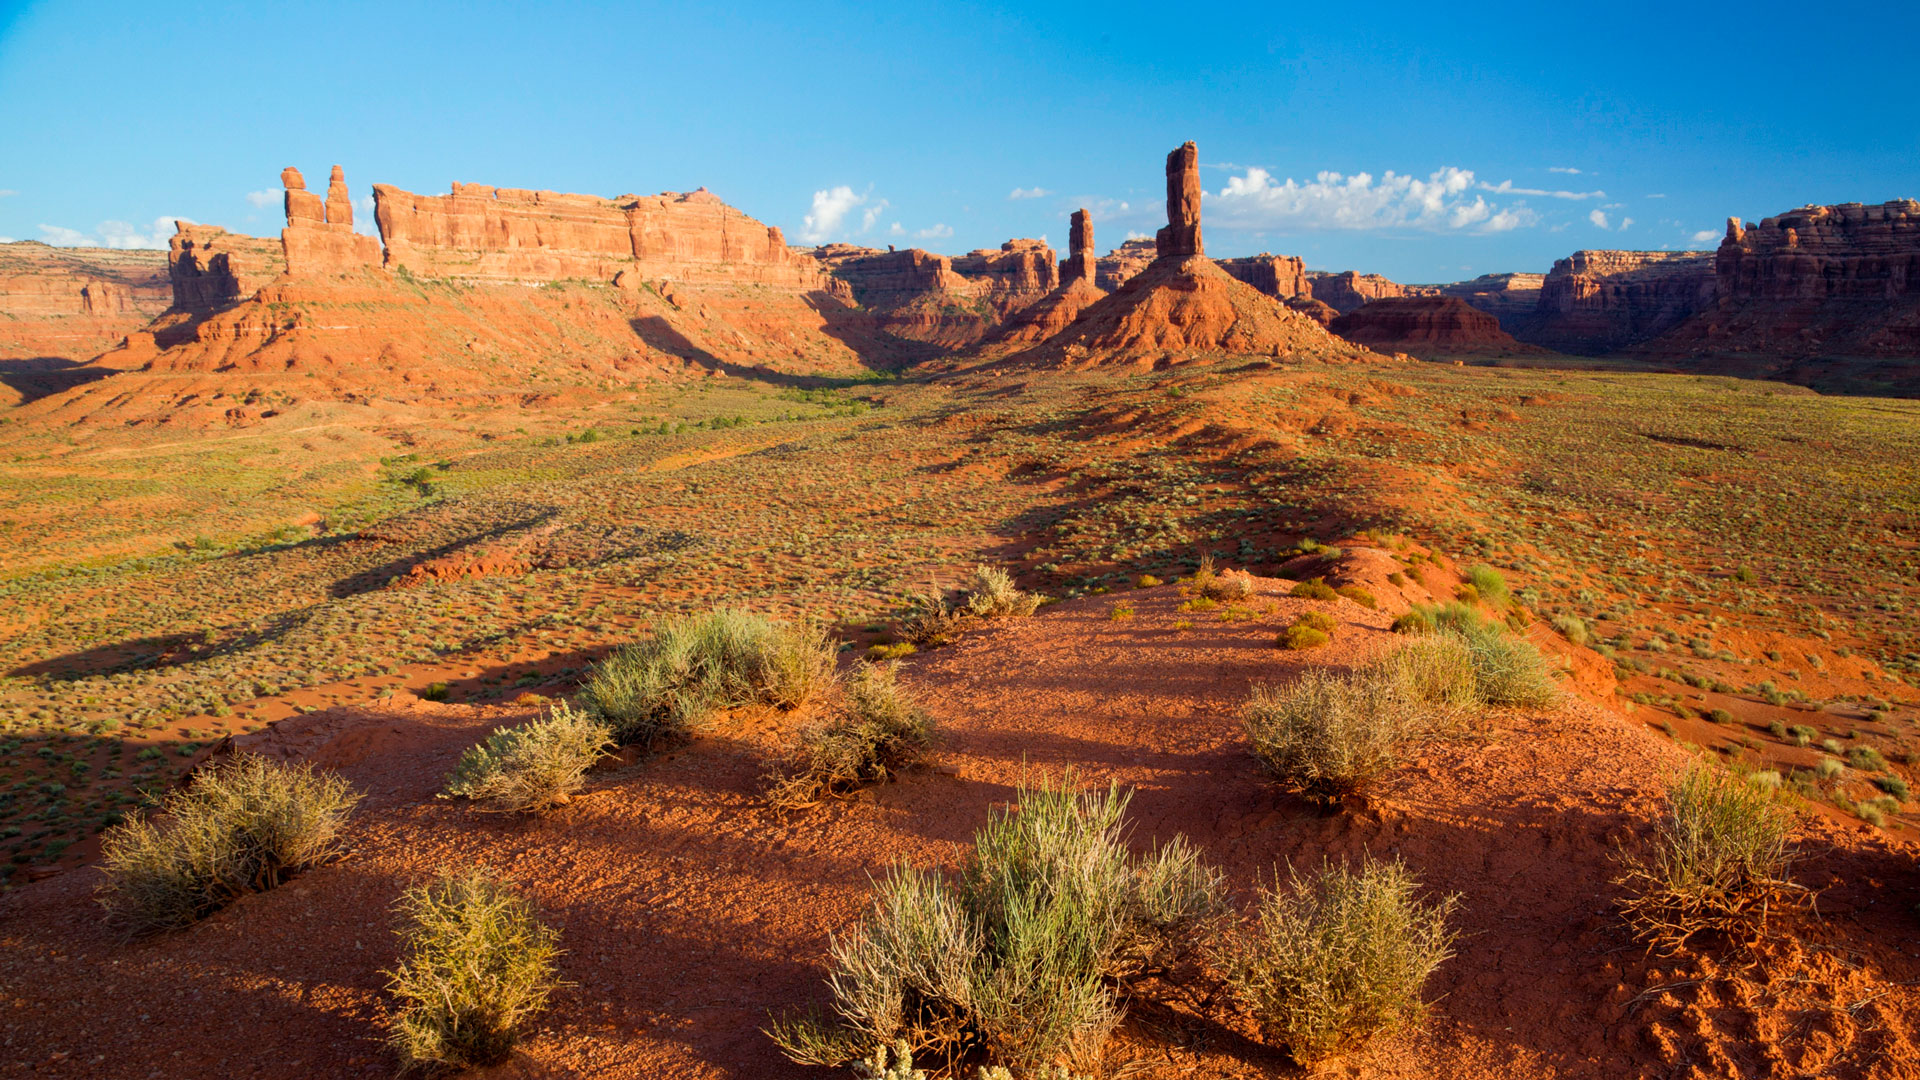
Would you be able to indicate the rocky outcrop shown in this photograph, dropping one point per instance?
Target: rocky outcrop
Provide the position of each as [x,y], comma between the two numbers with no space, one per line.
[1840,284]
[1080,255]
[1183,307]
[482,233]
[319,237]
[211,268]
[1426,325]
[60,303]
[1018,274]
[1282,277]
[1313,309]
[1180,237]
[1114,268]
[1599,302]
[1346,291]
[1511,298]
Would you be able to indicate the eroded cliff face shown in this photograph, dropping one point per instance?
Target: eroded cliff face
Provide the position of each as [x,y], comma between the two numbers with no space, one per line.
[319,237]
[1511,298]
[210,268]
[1113,269]
[59,306]
[1283,277]
[1599,302]
[1424,326]
[946,302]
[1019,273]
[1346,291]
[482,233]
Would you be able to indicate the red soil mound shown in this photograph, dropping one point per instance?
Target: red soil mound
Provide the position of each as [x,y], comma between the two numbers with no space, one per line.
[1185,308]
[688,911]
[1427,325]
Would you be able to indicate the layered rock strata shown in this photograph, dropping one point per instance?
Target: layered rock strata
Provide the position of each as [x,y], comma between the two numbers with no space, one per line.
[1114,268]
[1180,236]
[1343,292]
[318,238]
[210,268]
[1598,302]
[71,303]
[1080,255]
[1283,277]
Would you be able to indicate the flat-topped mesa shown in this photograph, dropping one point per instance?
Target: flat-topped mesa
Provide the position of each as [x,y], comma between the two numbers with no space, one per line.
[319,237]
[1079,265]
[1847,252]
[1426,325]
[1181,236]
[1346,291]
[1597,302]
[481,233]
[1019,273]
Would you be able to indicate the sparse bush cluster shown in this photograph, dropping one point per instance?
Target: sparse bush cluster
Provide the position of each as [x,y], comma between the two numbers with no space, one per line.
[988,594]
[694,666]
[1508,669]
[1018,952]
[878,730]
[245,825]
[532,766]
[1023,955]
[1310,631]
[1211,583]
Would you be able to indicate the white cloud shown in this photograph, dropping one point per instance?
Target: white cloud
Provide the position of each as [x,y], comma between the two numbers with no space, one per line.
[1656,196]
[7,192]
[6,239]
[934,232]
[1334,201]
[1625,223]
[1505,187]
[1029,193]
[114,234]
[830,210]
[896,229]
[263,199]
[1131,235]
[61,236]
[1564,169]
[1599,219]
[872,214]
[1704,236]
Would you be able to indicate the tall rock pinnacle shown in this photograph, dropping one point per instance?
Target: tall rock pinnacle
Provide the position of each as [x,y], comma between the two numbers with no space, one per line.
[1079,248]
[1181,237]
[303,206]
[339,200]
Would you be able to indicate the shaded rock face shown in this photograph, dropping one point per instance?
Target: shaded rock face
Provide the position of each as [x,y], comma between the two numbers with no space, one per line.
[1181,235]
[1282,277]
[1114,268]
[1511,298]
[1080,257]
[1018,274]
[210,268]
[1346,291]
[1829,282]
[73,303]
[1597,302]
[1424,324]
[483,233]
[1845,252]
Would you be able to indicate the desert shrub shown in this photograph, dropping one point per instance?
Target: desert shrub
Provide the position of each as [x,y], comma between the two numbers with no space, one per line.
[990,594]
[1802,734]
[1317,620]
[1358,595]
[878,730]
[1894,786]
[894,650]
[1314,589]
[1829,768]
[1148,581]
[245,825]
[476,964]
[1329,735]
[1491,585]
[1507,669]
[1227,585]
[931,620]
[1301,636]
[1120,613]
[693,666]
[1439,670]
[1018,954]
[1339,957]
[1777,729]
[1720,716]
[1866,759]
[1465,593]
[532,766]
[1573,628]
[1416,621]
[1719,861]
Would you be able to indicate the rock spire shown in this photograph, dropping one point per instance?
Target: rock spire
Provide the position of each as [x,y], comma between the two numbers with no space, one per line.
[1181,237]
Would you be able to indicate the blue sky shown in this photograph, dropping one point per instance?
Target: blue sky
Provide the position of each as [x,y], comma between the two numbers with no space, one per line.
[1426,142]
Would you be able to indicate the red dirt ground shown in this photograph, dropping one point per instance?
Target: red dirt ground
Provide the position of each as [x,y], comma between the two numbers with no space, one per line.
[688,911]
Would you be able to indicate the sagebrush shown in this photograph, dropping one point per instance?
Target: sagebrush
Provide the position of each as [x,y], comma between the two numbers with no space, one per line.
[1021,952]
[476,963]
[671,684]
[532,766]
[878,730]
[1338,957]
[244,825]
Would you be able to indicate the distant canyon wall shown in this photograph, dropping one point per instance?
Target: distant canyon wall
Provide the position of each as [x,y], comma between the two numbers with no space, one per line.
[60,303]
[1598,302]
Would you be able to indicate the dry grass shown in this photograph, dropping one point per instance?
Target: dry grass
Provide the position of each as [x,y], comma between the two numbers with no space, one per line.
[1328,734]
[1338,958]
[245,825]
[532,766]
[476,964]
